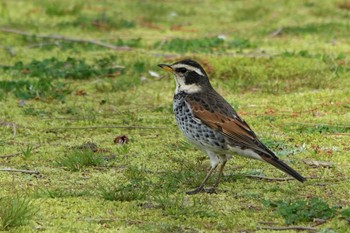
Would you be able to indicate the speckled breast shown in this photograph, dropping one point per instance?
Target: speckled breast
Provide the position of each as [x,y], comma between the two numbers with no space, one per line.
[195,131]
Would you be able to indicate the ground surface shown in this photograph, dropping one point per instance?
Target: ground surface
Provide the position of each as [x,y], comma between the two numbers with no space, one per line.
[284,65]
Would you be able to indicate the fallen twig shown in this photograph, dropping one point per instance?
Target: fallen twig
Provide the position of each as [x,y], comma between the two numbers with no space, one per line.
[298,228]
[42,45]
[106,220]
[21,171]
[275,179]
[72,39]
[339,134]
[229,54]
[9,49]
[276,32]
[321,125]
[269,178]
[318,221]
[103,127]
[314,163]
[18,153]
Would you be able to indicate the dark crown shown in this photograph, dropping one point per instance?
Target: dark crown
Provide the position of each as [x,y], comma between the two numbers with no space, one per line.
[190,63]
[192,77]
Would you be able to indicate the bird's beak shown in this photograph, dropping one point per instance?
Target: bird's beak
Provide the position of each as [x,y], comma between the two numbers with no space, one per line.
[166,67]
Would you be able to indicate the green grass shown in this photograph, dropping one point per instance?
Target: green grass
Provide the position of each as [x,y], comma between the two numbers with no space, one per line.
[135,190]
[78,159]
[179,206]
[27,151]
[15,211]
[203,45]
[303,210]
[134,186]
[284,66]
[346,214]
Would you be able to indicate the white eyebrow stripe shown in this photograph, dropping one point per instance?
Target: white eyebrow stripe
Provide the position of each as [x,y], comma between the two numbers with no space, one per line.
[191,68]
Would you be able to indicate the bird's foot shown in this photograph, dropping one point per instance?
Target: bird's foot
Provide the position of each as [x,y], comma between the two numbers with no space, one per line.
[202,189]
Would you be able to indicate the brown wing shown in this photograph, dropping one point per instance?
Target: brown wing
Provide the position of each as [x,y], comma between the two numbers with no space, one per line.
[231,126]
[238,131]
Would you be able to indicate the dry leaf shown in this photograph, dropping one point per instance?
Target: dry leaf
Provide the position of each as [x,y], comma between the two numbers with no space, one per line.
[81,92]
[121,139]
[153,74]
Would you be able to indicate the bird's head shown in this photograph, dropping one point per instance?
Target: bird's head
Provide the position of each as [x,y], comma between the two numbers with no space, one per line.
[189,75]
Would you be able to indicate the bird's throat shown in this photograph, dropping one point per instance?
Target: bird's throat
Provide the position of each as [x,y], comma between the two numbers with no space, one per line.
[188,89]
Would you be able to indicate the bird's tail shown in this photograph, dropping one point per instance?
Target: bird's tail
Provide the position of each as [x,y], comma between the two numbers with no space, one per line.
[283,167]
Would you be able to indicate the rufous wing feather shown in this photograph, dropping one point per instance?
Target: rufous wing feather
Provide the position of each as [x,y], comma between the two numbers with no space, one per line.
[241,135]
[231,126]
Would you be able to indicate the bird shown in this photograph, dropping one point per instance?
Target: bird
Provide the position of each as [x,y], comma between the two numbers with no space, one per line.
[209,122]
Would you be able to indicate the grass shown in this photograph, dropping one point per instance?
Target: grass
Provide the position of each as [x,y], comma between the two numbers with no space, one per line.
[15,211]
[134,186]
[203,45]
[346,214]
[284,66]
[27,151]
[77,160]
[302,210]
[135,190]
[179,206]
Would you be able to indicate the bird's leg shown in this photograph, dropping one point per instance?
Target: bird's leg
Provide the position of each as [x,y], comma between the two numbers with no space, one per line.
[221,169]
[201,186]
[214,161]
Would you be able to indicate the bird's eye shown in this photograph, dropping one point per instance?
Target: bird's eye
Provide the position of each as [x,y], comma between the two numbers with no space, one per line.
[181,70]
